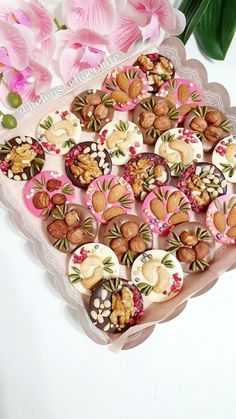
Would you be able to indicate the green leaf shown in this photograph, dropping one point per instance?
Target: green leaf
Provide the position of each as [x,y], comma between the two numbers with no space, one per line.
[216,28]
[193,10]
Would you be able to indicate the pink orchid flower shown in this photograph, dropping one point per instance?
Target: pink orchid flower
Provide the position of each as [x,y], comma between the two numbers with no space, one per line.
[27,44]
[142,19]
[96,15]
[81,49]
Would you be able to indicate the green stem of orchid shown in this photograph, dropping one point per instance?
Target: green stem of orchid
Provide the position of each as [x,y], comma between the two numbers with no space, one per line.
[3,81]
[59,27]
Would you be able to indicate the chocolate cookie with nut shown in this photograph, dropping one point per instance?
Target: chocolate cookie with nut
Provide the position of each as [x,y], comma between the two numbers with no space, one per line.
[202,183]
[128,236]
[127,85]
[221,219]
[145,172]
[157,68]
[210,124]
[193,245]
[115,305]
[47,190]
[164,208]
[154,116]
[109,196]
[87,161]
[70,226]
[94,108]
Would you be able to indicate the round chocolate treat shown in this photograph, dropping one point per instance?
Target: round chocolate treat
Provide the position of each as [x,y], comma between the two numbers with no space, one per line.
[158,275]
[154,116]
[122,139]
[210,124]
[115,305]
[184,94]
[202,183]
[128,236]
[87,161]
[193,245]
[46,190]
[94,108]
[109,196]
[164,208]
[91,263]
[145,172]
[221,219]
[179,147]
[58,132]
[21,158]
[224,157]
[70,226]
[157,68]
[128,86]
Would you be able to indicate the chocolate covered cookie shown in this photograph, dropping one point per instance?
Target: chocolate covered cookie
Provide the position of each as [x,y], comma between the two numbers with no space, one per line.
[144,172]
[87,161]
[202,183]
[193,245]
[224,157]
[157,68]
[115,305]
[128,236]
[155,116]
[70,226]
[94,108]
[47,190]
[21,158]
[90,264]
[127,86]
[210,124]
[179,147]
[58,131]
[158,275]
[221,219]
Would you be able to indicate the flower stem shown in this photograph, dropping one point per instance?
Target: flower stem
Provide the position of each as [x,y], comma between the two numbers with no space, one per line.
[59,27]
[3,81]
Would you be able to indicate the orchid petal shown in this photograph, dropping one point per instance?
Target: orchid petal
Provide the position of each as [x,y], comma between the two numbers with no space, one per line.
[70,63]
[15,44]
[44,53]
[4,59]
[41,21]
[88,38]
[28,36]
[124,34]
[42,76]
[152,30]
[62,38]
[97,15]
[93,57]
[21,16]
[160,8]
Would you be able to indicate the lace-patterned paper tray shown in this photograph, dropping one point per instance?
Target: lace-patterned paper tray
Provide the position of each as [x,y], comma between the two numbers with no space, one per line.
[56,262]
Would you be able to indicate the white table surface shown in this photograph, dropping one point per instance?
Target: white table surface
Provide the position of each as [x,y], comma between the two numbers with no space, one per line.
[50,370]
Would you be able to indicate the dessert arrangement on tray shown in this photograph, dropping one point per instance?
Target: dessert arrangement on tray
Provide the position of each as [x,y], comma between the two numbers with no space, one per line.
[129,183]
